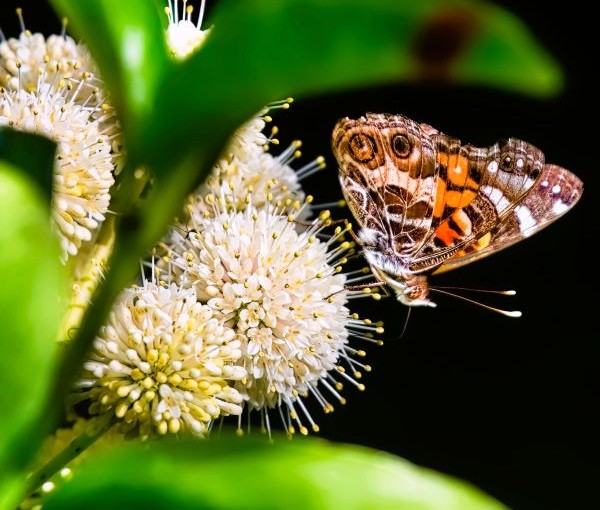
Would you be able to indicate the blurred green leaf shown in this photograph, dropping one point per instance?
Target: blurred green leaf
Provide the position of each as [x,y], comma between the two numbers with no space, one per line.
[507,56]
[33,154]
[262,50]
[32,279]
[250,473]
[12,484]
[128,44]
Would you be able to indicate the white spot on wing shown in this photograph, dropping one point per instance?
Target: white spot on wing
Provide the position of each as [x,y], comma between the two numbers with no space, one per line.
[556,189]
[369,236]
[559,207]
[497,197]
[528,183]
[544,184]
[526,220]
[492,167]
[520,163]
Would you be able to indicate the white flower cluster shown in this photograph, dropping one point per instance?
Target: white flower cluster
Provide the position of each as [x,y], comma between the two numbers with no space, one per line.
[50,86]
[280,288]
[244,306]
[162,362]
[183,36]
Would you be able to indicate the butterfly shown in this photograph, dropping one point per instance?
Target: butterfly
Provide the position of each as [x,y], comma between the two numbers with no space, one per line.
[426,203]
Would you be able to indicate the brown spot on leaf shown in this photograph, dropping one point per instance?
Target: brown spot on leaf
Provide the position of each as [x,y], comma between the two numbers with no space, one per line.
[442,39]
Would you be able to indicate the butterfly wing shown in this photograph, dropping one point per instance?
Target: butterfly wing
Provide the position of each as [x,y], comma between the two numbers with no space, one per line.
[477,190]
[387,174]
[556,191]
[427,202]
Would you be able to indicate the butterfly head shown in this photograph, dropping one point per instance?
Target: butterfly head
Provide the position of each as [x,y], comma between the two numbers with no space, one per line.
[411,289]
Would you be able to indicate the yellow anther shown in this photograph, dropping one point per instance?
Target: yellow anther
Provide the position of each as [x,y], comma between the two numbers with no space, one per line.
[324,215]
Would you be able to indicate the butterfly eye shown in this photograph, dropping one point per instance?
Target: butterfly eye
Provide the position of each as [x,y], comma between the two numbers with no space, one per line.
[415,292]
[401,146]
[362,147]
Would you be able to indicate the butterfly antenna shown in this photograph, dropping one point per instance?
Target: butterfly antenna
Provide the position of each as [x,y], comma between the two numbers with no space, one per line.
[486,291]
[405,322]
[507,313]
[405,327]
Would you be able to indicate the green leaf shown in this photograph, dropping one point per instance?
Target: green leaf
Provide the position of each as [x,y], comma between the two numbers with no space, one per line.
[12,484]
[507,56]
[262,50]
[32,280]
[251,473]
[38,163]
[128,44]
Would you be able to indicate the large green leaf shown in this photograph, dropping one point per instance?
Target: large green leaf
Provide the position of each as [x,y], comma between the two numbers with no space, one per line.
[261,50]
[32,280]
[252,474]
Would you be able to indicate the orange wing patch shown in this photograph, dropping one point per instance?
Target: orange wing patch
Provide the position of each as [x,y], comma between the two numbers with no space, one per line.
[456,227]
[464,188]
[480,244]
[440,198]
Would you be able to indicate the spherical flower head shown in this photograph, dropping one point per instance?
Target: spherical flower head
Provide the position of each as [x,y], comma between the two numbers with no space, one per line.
[85,160]
[249,175]
[257,180]
[162,364]
[183,36]
[32,58]
[279,289]
[248,140]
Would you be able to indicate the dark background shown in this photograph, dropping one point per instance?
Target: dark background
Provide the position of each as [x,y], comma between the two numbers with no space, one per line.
[507,404]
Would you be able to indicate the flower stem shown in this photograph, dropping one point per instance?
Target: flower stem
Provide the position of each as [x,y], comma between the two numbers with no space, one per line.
[87,279]
[94,431]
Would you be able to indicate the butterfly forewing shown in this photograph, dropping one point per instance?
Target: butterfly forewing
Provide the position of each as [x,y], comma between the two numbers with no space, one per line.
[556,191]
[477,189]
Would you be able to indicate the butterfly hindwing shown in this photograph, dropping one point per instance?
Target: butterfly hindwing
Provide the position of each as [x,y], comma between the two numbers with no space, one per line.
[387,174]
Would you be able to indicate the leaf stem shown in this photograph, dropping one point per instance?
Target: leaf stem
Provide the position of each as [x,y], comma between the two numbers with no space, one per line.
[96,429]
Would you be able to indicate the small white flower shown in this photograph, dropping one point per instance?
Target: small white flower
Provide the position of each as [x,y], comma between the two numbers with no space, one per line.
[183,36]
[249,139]
[32,59]
[51,87]
[282,291]
[162,364]
[247,174]
[85,160]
